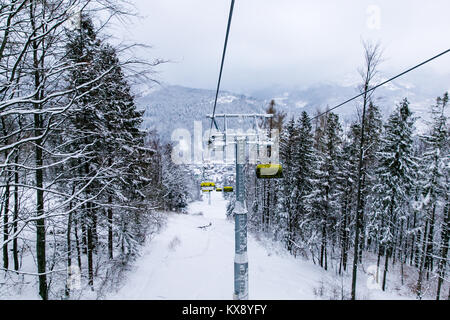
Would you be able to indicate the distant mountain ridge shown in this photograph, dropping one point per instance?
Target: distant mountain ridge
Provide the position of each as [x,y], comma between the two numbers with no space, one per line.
[172,107]
[168,107]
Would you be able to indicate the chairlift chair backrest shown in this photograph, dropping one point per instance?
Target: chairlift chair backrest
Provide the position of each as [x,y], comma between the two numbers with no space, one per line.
[269,171]
[228,189]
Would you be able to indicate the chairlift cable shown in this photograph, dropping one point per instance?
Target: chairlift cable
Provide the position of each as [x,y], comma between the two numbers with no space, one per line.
[213,121]
[383,83]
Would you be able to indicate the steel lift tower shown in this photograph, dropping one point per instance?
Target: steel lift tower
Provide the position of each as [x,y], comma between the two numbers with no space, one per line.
[257,138]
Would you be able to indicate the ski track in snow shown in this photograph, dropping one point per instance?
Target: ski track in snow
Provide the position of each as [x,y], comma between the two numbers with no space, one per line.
[199,265]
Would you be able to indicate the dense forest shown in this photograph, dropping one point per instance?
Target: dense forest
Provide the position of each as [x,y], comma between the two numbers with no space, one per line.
[81,182]
[83,185]
[342,200]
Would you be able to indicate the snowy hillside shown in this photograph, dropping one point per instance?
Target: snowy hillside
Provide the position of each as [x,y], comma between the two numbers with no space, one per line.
[188,262]
[171,107]
[168,107]
[104,175]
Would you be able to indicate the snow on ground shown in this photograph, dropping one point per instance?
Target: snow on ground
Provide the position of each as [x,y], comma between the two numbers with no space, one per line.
[188,262]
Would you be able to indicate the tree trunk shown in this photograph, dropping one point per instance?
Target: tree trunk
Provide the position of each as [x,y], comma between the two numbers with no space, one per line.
[69,249]
[359,208]
[429,257]
[413,239]
[40,223]
[90,244]
[422,261]
[363,233]
[110,230]
[378,262]
[83,232]
[417,256]
[344,238]
[77,243]
[38,62]
[5,203]
[323,248]
[94,230]
[386,265]
[5,224]
[16,215]
[389,245]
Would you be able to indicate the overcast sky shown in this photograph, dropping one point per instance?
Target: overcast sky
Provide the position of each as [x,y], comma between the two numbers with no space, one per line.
[288,42]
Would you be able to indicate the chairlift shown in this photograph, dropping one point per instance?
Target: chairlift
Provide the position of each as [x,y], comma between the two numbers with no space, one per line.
[207,186]
[228,189]
[269,171]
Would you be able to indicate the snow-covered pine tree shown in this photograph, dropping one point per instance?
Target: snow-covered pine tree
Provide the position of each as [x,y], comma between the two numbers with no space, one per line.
[175,181]
[110,168]
[84,130]
[435,171]
[372,140]
[263,193]
[346,185]
[124,147]
[304,171]
[329,148]
[53,79]
[372,57]
[288,187]
[395,177]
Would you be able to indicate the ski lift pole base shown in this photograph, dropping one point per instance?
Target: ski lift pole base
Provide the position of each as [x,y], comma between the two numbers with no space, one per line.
[240,226]
[240,258]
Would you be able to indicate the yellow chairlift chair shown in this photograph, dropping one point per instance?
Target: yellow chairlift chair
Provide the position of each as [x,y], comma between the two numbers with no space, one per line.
[269,171]
[228,189]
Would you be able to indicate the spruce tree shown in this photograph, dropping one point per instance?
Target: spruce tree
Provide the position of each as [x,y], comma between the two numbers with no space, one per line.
[373,127]
[305,170]
[396,175]
[435,172]
[288,188]
[346,186]
[329,146]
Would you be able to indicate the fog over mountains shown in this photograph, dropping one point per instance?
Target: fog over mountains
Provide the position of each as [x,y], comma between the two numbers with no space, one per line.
[168,107]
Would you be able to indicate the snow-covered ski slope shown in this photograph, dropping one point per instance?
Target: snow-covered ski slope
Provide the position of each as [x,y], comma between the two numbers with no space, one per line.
[188,262]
